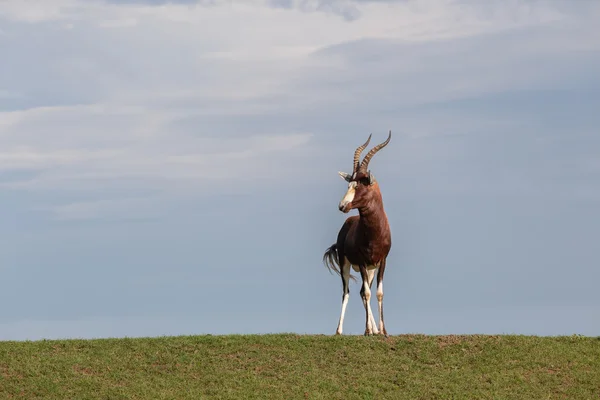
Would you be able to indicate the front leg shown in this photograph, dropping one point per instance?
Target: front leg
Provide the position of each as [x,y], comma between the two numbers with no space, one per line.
[371,274]
[365,293]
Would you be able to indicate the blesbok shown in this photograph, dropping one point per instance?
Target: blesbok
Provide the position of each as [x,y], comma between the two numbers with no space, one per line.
[365,240]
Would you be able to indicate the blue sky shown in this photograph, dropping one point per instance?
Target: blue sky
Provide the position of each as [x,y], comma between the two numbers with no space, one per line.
[171,167]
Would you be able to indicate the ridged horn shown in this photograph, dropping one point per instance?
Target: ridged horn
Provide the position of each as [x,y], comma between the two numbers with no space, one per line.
[357,152]
[365,162]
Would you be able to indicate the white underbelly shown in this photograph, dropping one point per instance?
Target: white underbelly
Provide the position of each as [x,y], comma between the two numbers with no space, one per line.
[369,267]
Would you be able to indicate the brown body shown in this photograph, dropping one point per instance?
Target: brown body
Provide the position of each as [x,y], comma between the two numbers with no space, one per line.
[365,240]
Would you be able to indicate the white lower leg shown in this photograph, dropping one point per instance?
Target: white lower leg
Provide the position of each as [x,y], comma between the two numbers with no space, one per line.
[374,329]
[345,297]
[380,304]
[372,320]
[373,324]
[366,298]
[341,323]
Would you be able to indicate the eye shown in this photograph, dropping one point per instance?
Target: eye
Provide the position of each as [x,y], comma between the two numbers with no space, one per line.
[365,181]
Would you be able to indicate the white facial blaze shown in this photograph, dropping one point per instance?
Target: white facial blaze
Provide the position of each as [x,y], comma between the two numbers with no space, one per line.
[349,196]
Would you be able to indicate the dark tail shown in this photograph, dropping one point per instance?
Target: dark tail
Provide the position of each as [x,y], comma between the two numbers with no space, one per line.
[331,260]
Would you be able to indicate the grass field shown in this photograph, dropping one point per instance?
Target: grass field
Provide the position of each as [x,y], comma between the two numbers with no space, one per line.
[288,366]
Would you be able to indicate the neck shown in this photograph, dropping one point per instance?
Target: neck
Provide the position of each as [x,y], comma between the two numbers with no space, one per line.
[372,215]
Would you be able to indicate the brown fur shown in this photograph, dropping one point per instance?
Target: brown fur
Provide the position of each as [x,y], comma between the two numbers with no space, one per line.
[364,239]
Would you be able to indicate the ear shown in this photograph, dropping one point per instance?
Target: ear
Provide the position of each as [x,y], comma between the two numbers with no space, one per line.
[372,179]
[345,176]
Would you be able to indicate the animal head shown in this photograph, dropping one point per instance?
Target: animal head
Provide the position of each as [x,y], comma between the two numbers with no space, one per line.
[362,186]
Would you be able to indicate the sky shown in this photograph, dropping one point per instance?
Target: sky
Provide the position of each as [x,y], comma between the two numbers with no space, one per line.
[170,168]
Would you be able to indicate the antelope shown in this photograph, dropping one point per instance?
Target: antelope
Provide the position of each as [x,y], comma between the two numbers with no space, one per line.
[365,240]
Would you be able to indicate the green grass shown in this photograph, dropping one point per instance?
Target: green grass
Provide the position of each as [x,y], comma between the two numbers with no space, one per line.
[288,366]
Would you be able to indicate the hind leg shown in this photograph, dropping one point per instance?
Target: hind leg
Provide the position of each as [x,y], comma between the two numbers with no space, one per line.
[345,273]
[380,297]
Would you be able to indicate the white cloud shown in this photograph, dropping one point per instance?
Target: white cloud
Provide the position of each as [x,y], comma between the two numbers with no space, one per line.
[121,143]
[113,96]
[24,158]
[118,23]
[131,208]
[35,10]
